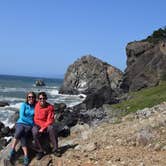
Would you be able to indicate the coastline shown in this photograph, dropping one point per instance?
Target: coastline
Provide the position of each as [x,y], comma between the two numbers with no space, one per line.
[13,90]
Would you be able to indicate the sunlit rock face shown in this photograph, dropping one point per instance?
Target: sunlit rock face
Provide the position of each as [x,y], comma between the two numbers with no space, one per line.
[89,74]
[146,65]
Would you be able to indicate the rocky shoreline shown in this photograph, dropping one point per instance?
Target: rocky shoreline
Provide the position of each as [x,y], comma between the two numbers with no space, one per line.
[137,140]
[90,134]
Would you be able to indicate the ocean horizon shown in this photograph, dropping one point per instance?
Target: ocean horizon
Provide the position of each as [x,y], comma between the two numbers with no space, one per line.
[58,76]
[14,88]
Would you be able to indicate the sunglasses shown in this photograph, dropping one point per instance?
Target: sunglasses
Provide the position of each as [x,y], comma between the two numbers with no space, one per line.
[31,97]
[42,98]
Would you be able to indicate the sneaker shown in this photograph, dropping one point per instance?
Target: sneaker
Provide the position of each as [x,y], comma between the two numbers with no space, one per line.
[39,155]
[26,161]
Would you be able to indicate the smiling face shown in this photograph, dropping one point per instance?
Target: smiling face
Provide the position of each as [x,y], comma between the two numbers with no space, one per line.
[31,98]
[42,100]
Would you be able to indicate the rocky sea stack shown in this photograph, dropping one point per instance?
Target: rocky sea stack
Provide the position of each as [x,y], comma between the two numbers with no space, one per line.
[89,74]
[39,83]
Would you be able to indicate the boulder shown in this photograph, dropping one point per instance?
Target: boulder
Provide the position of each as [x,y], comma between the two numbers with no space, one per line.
[88,74]
[1,125]
[105,95]
[3,103]
[5,131]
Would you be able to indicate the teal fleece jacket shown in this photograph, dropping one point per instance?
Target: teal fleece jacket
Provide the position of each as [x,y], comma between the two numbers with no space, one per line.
[26,114]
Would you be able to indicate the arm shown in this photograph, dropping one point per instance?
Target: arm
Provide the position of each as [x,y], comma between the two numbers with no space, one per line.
[50,119]
[22,115]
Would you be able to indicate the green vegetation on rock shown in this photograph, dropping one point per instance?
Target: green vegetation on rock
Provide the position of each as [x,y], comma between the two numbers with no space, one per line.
[158,35]
[148,97]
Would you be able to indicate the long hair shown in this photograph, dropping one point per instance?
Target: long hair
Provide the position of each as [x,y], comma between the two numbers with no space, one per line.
[33,94]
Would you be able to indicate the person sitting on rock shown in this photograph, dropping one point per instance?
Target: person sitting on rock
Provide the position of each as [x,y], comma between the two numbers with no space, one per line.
[23,126]
[44,120]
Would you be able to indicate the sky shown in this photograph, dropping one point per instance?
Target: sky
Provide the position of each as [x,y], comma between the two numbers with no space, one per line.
[43,37]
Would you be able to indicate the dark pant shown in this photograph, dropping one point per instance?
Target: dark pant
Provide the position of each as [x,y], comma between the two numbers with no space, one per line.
[21,132]
[52,136]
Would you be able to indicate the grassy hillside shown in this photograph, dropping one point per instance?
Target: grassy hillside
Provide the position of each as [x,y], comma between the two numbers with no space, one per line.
[144,98]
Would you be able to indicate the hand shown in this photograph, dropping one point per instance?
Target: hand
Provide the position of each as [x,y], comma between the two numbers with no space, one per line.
[41,130]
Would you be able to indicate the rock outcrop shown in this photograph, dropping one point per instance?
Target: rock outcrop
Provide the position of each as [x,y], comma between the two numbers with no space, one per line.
[39,83]
[89,74]
[105,95]
[3,103]
[5,132]
[146,65]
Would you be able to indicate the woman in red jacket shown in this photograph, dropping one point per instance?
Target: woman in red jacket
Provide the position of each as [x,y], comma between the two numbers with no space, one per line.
[44,120]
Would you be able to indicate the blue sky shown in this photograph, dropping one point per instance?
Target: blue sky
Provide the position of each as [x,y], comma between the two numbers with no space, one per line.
[42,38]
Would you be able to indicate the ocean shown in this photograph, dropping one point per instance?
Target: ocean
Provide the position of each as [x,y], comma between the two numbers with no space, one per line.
[14,88]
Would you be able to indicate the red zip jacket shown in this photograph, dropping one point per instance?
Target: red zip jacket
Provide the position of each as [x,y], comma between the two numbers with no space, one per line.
[43,117]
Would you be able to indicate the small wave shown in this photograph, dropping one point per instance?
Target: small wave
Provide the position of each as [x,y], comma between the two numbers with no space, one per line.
[8,138]
[51,87]
[12,99]
[16,105]
[7,123]
[69,103]
[82,95]
[73,104]
[69,100]
[53,92]
[48,90]
[73,97]
[12,90]
[5,117]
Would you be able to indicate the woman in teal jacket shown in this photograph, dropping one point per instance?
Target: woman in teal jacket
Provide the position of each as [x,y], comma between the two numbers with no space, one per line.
[23,126]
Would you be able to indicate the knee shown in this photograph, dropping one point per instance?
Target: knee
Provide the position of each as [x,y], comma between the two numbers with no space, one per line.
[23,142]
[18,133]
[35,132]
[51,128]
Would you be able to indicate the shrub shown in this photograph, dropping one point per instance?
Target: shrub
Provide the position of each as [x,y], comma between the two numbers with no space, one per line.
[158,35]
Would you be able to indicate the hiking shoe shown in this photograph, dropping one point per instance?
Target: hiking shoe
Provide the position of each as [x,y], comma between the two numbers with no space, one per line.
[57,153]
[26,161]
[39,155]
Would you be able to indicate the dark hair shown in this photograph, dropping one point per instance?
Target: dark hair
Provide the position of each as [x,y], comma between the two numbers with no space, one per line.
[33,93]
[43,94]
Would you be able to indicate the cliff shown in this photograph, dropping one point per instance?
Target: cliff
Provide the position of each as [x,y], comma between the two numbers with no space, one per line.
[146,62]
